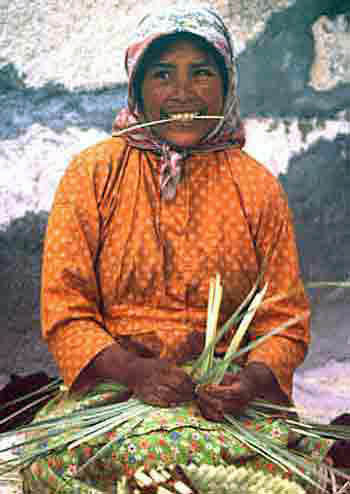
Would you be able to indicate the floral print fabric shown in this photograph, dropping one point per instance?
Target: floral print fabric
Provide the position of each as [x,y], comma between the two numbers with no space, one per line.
[165,437]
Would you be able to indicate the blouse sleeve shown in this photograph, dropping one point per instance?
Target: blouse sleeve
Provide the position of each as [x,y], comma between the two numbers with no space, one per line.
[277,253]
[72,323]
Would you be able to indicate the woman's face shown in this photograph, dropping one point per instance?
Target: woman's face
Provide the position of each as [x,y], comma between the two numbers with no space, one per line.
[183,79]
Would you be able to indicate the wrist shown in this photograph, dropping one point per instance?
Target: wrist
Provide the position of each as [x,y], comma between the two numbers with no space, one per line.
[259,374]
[118,364]
[264,383]
[251,381]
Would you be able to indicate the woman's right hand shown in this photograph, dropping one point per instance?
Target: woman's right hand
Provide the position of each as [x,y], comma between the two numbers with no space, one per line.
[152,380]
[162,383]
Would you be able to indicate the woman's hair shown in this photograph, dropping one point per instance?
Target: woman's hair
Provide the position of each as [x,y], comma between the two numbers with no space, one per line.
[157,48]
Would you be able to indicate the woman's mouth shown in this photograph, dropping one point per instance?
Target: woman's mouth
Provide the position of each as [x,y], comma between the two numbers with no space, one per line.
[184,117]
[181,117]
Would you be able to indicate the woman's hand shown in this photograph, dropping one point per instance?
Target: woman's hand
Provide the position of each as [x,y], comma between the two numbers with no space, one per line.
[152,380]
[162,383]
[230,397]
[236,391]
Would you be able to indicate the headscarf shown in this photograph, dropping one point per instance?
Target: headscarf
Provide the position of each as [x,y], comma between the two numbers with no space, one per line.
[204,21]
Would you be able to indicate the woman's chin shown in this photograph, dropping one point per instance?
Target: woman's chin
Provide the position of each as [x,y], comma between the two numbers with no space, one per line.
[183,143]
[184,134]
[182,139]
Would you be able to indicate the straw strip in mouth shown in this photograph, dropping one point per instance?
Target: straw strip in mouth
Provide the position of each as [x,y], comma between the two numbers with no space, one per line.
[164,120]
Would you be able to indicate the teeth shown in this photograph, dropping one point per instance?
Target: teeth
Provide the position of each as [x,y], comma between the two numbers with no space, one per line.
[185,117]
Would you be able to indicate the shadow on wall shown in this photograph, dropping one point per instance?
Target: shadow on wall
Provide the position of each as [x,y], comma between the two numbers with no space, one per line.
[20,265]
[317,184]
[274,70]
[20,254]
[54,106]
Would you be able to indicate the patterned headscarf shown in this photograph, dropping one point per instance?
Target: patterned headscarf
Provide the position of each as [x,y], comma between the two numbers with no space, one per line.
[202,21]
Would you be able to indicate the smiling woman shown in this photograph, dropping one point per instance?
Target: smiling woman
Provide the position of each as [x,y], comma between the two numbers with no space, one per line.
[140,224]
[182,65]
[183,79]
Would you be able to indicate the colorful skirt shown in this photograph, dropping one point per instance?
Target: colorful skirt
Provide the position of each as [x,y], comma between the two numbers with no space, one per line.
[164,437]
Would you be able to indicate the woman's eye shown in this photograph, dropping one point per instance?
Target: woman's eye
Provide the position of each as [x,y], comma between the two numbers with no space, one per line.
[161,74]
[205,72]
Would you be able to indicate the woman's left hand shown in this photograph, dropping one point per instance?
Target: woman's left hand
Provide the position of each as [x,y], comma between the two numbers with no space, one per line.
[230,397]
[236,391]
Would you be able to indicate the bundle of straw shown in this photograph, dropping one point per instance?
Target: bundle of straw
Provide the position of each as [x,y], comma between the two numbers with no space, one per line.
[124,417]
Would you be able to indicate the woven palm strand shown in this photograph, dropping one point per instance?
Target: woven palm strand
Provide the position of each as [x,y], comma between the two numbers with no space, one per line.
[207,479]
[238,480]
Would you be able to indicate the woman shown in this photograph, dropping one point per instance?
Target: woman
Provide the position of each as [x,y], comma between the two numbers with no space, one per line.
[139,225]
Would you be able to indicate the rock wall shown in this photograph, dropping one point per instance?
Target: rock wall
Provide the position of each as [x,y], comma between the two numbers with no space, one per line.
[62,81]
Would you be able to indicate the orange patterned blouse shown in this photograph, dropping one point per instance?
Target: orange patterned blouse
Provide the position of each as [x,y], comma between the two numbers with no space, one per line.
[120,263]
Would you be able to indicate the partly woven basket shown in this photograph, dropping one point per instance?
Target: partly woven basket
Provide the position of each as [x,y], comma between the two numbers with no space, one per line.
[239,480]
[207,479]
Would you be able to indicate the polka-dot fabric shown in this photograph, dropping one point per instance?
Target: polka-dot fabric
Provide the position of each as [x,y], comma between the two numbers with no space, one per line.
[121,263]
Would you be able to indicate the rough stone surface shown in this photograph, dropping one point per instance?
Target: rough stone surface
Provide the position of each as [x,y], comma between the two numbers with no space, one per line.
[332,52]
[275,142]
[40,40]
[41,131]
[321,393]
[51,42]
[275,67]
[33,164]
[20,262]
[248,18]
[317,183]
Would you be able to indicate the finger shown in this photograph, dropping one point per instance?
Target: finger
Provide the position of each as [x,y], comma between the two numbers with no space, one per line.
[208,401]
[156,397]
[211,410]
[181,384]
[229,379]
[219,392]
[229,403]
[161,394]
[234,407]
[187,388]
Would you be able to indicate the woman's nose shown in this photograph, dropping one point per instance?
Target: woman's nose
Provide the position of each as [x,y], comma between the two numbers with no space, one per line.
[183,87]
